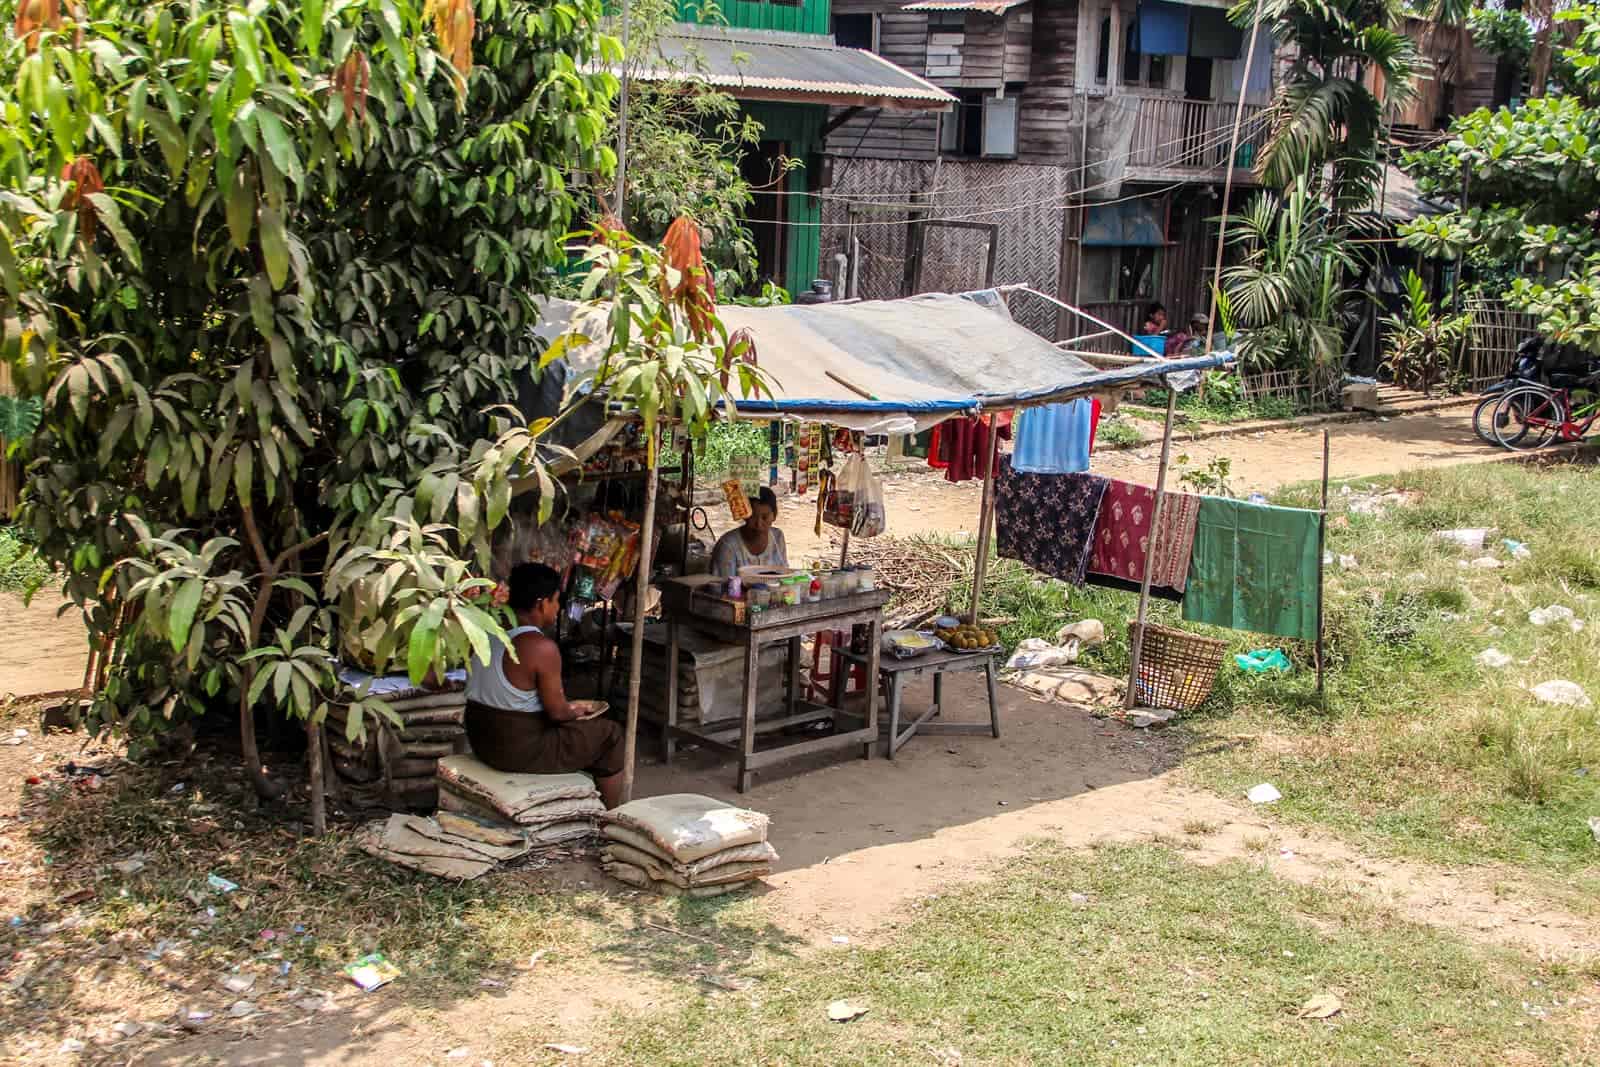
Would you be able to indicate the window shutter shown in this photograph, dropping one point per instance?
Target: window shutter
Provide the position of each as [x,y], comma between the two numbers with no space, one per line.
[1000,126]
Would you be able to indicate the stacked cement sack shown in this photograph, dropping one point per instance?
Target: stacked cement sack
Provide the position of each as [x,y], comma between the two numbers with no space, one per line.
[550,810]
[685,845]
[399,762]
[448,845]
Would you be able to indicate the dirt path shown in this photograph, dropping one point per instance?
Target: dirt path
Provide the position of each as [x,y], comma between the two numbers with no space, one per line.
[40,651]
[864,842]
[922,502]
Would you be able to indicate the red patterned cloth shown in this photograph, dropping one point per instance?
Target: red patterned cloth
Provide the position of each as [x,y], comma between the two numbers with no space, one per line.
[960,446]
[1122,539]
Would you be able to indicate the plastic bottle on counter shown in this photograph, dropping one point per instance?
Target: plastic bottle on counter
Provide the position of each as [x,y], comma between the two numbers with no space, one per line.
[814,595]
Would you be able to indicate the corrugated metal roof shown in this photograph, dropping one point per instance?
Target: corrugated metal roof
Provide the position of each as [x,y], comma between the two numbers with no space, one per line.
[993,7]
[769,65]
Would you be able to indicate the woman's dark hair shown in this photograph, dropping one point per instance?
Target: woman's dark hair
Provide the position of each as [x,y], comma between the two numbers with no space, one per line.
[1150,311]
[765,496]
[531,583]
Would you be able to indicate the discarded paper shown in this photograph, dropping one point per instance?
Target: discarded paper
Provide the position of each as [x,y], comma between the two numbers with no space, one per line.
[1321,1006]
[844,1011]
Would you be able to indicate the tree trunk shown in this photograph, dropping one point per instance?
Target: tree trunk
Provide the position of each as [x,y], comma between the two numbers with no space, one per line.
[1543,12]
[266,788]
[319,805]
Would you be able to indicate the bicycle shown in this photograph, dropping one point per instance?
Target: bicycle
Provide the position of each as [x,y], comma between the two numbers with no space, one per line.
[1532,416]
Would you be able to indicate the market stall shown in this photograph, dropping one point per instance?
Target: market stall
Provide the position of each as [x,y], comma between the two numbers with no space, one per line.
[879,367]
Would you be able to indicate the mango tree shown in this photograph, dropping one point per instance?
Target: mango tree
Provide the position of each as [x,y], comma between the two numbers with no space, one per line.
[271,268]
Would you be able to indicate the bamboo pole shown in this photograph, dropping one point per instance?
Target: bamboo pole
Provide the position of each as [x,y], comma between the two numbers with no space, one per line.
[1131,697]
[1322,544]
[985,521]
[647,529]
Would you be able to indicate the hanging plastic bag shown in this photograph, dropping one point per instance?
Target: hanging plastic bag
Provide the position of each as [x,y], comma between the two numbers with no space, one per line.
[868,517]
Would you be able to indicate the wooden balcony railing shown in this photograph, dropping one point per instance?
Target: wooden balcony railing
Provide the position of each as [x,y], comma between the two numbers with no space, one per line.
[1175,134]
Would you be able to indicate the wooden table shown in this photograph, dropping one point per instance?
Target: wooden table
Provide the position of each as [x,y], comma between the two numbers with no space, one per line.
[788,624]
[896,672]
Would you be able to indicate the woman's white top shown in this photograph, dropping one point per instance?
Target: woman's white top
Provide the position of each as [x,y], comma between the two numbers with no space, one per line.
[488,685]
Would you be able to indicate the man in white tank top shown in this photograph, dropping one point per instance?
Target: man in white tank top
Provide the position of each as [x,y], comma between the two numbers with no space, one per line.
[518,718]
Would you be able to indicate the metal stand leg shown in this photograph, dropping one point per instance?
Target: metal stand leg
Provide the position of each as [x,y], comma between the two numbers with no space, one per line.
[747,740]
[794,675]
[894,717]
[994,697]
[938,694]
[669,739]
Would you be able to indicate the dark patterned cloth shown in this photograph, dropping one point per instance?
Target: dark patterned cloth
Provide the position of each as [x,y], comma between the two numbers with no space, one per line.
[1047,520]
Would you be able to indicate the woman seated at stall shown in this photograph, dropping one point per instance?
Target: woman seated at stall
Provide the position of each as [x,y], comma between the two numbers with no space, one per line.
[757,543]
[518,718]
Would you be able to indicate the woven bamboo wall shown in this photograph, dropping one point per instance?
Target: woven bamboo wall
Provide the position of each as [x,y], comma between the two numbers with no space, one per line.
[1024,200]
[1496,332]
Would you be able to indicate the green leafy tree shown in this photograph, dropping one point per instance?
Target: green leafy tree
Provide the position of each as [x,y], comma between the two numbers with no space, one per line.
[686,143]
[1530,179]
[1324,116]
[272,269]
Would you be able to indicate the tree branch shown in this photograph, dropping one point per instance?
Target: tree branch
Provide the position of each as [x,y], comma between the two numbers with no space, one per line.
[293,550]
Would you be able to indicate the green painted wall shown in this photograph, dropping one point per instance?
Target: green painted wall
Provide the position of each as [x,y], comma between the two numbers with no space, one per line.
[808,16]
[800,126]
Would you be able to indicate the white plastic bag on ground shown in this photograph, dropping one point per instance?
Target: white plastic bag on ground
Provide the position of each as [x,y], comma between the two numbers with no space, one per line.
[1090,633]
[1492,657]
[1471,537]
[1033,653]
[1265,793]
[1555,613]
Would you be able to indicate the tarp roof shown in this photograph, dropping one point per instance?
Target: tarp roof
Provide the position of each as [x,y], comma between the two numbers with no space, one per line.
[895,366]
[773,65]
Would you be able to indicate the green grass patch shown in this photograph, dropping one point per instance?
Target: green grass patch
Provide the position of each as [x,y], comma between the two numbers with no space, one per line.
[1129,955]
[1117,432]
[1421,750]
[21,569]
[1416,750]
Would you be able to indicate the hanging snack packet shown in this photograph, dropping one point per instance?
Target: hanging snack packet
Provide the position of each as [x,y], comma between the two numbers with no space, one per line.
[738,503]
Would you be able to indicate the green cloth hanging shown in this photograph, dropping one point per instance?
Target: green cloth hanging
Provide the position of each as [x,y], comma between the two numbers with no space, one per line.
[1254,567]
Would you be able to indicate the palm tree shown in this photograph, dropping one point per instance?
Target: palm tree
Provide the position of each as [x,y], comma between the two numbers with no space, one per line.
[1324,117]
[1286,297]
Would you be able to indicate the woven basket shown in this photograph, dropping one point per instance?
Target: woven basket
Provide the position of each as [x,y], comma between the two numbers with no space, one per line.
[1177,669]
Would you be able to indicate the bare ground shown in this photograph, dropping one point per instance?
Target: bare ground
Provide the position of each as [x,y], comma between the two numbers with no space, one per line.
[862,843]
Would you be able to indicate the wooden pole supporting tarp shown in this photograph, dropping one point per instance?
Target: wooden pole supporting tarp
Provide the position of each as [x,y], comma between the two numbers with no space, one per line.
[647,529]
[1322,547]
[980,569]
[1130,699]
